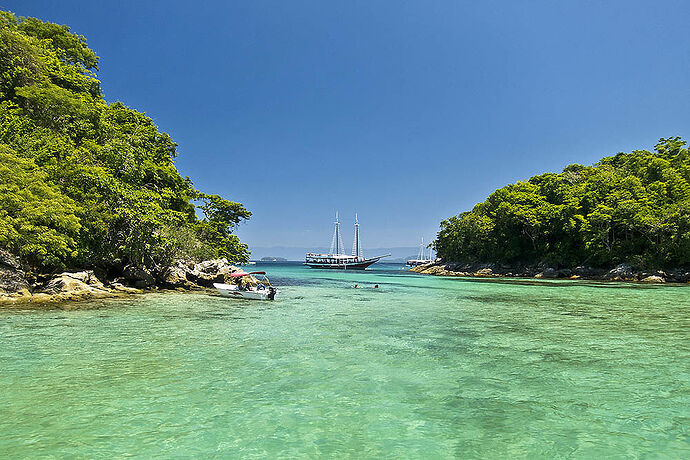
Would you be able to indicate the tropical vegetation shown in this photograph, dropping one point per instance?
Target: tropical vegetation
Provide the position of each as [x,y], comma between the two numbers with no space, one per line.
[629,208]
[86,183]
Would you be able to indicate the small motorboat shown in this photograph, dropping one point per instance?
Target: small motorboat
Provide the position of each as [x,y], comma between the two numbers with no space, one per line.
[262,291]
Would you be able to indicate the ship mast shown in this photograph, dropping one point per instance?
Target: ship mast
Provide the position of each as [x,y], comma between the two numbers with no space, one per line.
[336,243]
[356,246]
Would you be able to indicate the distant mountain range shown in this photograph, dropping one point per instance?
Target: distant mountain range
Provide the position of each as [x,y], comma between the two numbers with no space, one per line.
[398,254]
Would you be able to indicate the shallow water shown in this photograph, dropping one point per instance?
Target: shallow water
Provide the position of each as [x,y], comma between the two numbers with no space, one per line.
[423,367]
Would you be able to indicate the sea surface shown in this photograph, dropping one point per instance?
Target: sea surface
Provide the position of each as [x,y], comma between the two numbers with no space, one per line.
[423,367]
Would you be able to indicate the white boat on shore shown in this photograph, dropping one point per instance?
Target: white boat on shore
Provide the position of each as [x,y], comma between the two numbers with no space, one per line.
[263,291]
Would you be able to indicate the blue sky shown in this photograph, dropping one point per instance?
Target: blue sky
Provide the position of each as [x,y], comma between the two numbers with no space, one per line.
[405,112]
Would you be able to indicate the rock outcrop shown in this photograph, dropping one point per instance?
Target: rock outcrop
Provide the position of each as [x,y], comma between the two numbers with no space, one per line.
[13,283]
[138,276]
[66,286]
[653,279]
[72,286]
[176,276]
[188,275]
[81,285]
[622,272]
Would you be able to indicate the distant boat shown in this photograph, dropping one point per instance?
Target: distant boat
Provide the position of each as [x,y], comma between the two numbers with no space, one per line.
[336,257]
[420,260]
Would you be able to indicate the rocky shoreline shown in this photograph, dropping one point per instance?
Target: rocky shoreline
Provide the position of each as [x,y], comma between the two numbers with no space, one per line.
[622,272]
[20,287]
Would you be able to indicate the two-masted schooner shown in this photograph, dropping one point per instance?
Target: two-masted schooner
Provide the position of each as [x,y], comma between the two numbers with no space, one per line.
[421,257]
[336,257]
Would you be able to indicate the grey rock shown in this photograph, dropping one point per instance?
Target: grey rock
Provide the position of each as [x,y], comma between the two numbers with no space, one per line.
[587,272]
[547,273]
[564,273]
[622,272]
[176,276]
[12,277]
[139,276]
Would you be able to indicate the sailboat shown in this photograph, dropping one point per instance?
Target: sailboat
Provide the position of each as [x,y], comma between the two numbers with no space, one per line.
[421,257]
[336,257]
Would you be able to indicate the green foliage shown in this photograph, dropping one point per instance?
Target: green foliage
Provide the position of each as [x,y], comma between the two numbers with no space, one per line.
[73,49]
[86,183]
[222,216]
[632,208]
[37,222]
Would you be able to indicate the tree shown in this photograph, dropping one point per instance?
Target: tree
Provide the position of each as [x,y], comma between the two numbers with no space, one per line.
[37,222]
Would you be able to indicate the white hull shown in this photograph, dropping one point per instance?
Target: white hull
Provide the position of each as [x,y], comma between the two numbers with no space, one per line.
[340,262]
[231,290]
[418,262]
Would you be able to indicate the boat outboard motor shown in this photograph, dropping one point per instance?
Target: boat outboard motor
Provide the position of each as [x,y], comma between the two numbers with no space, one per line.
[271,293]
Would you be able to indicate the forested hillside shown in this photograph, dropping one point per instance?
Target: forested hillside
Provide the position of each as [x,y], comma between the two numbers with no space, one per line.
[84,183]
[629,208]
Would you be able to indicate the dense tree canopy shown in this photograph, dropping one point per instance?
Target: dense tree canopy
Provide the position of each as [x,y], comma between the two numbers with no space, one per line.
[632,208]
[86,183]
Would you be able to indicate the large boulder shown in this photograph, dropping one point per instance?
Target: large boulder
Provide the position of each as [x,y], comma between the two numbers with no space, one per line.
[484,272]
[139,276]
[431,270]
[587,272]
[622,272]
[548,272]
[72,286]
[176,276]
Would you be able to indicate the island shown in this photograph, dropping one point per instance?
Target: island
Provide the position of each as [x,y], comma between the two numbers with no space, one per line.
[273,259]
[625,218]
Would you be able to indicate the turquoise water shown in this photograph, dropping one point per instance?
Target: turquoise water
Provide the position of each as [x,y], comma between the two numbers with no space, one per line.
[423,367]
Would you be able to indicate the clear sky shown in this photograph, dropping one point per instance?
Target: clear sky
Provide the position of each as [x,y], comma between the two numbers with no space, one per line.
[405,112]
